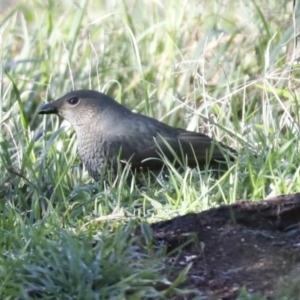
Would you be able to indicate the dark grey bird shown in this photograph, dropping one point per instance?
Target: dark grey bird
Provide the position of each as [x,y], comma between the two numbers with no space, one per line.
[107,131]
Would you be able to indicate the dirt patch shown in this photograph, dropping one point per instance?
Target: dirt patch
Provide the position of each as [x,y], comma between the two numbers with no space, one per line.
[255,245]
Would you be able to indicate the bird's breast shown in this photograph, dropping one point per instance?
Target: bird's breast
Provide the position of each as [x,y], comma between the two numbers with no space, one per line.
[92,149]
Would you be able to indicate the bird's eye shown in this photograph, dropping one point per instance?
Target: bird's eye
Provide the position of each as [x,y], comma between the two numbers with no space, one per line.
[73,100]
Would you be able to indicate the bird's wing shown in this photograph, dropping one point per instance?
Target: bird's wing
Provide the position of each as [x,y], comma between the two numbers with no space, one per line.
[202,149]
[180,146]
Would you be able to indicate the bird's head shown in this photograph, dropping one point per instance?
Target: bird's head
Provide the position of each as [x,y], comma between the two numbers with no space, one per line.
[79,107]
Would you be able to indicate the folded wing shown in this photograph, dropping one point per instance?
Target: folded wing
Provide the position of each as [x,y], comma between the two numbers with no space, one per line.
[181,147]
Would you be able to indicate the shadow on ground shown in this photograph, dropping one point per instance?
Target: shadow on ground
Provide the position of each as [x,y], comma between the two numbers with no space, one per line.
[255,245]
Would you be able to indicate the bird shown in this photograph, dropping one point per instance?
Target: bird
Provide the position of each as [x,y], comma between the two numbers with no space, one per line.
[109,133]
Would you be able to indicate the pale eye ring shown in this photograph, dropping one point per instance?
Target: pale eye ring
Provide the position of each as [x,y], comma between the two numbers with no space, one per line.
[73,100]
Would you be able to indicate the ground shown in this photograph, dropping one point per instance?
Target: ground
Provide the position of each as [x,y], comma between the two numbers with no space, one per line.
[254,245]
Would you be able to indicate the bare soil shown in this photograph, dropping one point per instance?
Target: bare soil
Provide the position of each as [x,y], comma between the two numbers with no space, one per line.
[254,245]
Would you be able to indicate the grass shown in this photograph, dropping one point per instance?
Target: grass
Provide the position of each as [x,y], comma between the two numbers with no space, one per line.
[229,70]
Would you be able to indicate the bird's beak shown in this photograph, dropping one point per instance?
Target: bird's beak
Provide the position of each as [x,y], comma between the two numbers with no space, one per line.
[48,109]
